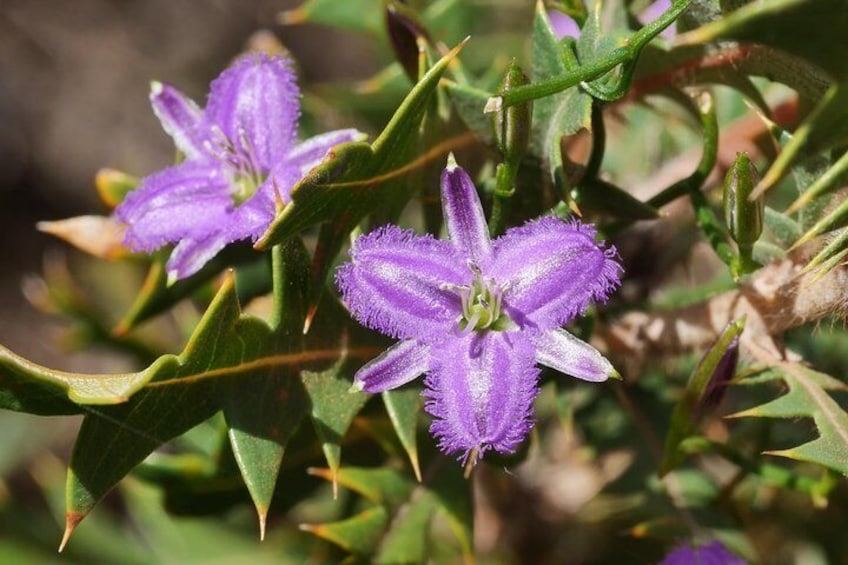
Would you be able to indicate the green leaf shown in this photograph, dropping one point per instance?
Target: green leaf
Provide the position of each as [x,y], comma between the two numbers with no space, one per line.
[808,397]
[351,180]
[403,407]
[358,534]
[685,416]
[333,407]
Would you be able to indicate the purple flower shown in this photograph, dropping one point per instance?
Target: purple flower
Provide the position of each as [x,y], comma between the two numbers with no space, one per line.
[713,553]
[563,24]
[241,161]
[476,315]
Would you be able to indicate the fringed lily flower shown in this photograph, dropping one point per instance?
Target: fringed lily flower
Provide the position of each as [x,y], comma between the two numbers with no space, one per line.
[477,315]
[241,161]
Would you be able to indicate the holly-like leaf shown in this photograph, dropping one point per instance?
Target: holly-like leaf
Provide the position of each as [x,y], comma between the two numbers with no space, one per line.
[351,180]
[808,397]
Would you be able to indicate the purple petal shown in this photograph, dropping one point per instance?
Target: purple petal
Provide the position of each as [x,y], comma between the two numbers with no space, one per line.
[308,154]
[563,25]
[552,270]
[256,102]
[397,366]
[190,255]
[480,392]
[713,553]
[560,350]
[180,118]
[395,281]
[464,215]
[189,200]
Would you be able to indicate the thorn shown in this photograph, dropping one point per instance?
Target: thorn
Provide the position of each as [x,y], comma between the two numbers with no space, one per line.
[263,516]
[416,466]
[72,520]
[310,315]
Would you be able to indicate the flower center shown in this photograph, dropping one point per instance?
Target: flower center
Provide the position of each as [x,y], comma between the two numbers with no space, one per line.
[240,159]
[482,305]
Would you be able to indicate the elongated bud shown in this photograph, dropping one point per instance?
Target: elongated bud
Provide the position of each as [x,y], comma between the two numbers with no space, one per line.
[743,216]
[405,34]
[512,125]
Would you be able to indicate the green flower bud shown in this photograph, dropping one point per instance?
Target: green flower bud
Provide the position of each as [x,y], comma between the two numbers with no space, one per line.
[743,216]
[512,125]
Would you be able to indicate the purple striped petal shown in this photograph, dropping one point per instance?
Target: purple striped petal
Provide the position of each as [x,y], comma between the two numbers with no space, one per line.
[253,216]
[188,200]
[713,553]
[464,215]
[180,118]
[190,255]
[552,270]
[255,102]
[560,350]
[395,281]
[397,366]
[480,392]
[308,154]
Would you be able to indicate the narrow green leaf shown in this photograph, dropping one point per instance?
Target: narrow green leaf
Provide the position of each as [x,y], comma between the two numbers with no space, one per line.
[784,229]
[384,486]
[685,416]
[354,15]
[403,407]
[358,534]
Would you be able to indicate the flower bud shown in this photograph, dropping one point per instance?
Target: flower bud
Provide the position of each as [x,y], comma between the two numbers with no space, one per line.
[512,124]
[405,32]
[744,217]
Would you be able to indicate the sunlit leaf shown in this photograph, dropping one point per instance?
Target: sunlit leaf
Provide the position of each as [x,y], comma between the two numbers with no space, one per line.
[808,397]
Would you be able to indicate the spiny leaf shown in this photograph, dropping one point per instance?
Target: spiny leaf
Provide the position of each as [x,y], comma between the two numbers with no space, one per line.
[349,183]
[355,15]
[384,486]
[228,353]
[808,397]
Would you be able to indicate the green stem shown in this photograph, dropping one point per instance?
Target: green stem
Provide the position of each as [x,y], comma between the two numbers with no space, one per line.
[278,274]
[596,69]
[505,176]
[599,142]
